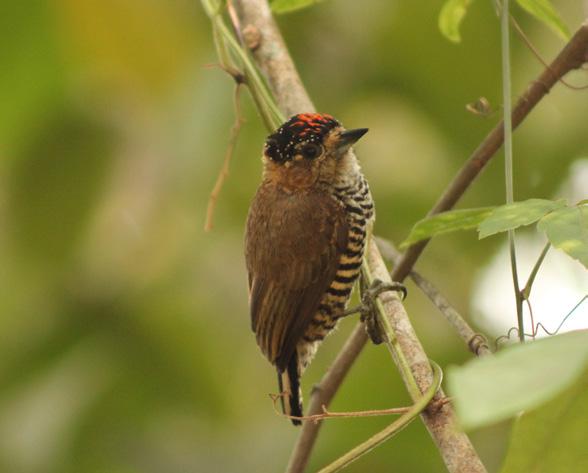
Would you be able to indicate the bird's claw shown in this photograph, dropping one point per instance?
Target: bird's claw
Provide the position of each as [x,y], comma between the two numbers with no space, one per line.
[367,310]
[367,307]
[378,287]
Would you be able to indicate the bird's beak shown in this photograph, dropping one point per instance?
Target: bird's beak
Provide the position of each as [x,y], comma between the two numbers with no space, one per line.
[349,137]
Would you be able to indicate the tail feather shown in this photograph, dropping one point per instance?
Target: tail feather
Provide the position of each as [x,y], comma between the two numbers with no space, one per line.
[289,382]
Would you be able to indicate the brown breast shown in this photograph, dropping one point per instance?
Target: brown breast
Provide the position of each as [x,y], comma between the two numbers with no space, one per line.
[294,243]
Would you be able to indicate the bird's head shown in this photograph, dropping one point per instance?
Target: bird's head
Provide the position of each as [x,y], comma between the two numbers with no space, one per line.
[307,147]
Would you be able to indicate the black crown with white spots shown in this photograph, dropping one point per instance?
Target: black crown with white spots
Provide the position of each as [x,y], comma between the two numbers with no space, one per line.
[300,129]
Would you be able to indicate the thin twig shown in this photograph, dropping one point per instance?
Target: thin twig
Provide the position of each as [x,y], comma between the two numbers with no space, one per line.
[224,171]
[507,120]
[567,316]
[540,326]
[235,22]
[538,56]
[476,342]
[326,414]
[532,317]
[226,42]
[526,291]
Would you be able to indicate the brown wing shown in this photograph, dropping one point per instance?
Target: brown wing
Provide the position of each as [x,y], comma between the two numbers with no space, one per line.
[292,249]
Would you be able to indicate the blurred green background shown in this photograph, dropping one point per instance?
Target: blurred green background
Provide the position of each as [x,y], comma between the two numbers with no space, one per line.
[125,342]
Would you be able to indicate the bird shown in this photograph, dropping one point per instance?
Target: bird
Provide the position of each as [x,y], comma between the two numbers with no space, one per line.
[305,235]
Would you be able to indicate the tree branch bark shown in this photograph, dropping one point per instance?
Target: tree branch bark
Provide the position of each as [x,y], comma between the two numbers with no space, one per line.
[271,54]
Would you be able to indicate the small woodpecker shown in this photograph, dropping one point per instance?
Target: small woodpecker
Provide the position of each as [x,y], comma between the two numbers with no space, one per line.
[306,232]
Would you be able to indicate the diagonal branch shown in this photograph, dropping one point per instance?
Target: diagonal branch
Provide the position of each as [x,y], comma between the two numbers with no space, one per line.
[476,342]
[571,57]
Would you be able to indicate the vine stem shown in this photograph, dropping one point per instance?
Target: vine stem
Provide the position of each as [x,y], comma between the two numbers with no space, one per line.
[269,111]
[392,429]
[224,171]
[526,291]
[388,329]
[507,120]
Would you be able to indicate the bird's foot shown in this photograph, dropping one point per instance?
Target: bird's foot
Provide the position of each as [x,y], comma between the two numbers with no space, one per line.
[367,307]
[369,295]
[368,314]
[378,287]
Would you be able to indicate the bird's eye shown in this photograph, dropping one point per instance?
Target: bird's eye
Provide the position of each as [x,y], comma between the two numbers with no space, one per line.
[311,151]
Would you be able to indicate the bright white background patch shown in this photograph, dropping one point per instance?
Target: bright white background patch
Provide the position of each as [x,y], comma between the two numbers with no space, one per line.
[560,284]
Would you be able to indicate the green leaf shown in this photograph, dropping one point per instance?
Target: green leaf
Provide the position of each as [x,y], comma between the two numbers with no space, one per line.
[450,18]
[511,216]
[287,6]
[552,438]
[522,376]
[544,11]
[465,219]
[567,229]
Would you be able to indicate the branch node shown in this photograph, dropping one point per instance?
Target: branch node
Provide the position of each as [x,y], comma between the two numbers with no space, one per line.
[316,389]
[546,87]
[477,344]
[251,37]
[438,404]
